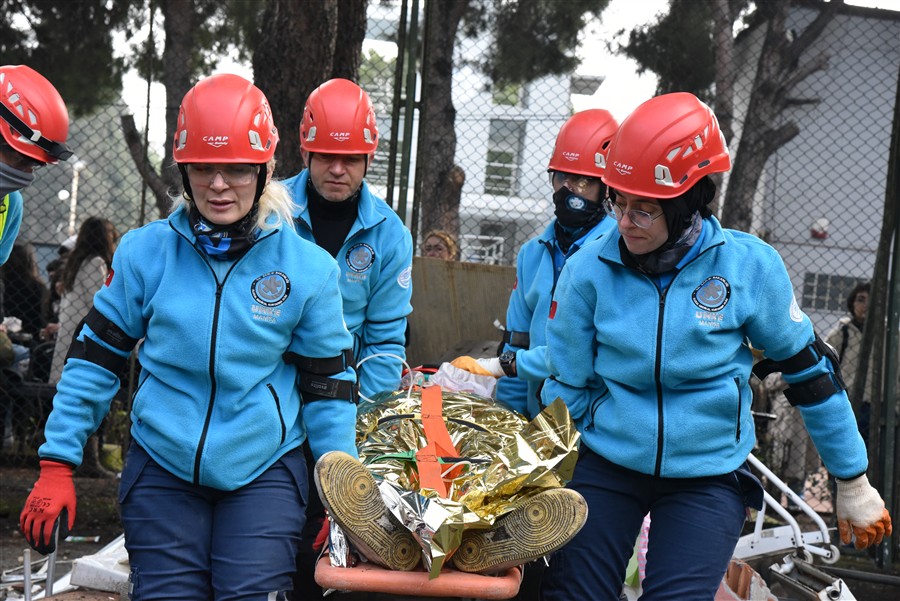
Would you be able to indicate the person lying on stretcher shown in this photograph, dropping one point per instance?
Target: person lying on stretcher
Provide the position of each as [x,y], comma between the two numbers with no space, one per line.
[455,479]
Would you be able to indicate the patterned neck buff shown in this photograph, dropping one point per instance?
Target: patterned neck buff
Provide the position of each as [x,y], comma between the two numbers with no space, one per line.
[225,242]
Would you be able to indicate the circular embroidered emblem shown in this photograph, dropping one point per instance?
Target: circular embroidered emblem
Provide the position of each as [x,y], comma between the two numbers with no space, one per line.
[360,257]
[271,289]
[712,294]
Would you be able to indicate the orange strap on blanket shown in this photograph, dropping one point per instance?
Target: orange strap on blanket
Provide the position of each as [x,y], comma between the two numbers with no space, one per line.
[428,458]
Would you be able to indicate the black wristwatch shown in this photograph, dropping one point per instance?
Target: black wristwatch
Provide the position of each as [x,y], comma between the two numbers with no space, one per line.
[508,363]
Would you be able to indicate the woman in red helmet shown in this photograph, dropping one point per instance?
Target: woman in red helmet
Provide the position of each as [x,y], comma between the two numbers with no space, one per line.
[244,356]
[648,346]
[34,124]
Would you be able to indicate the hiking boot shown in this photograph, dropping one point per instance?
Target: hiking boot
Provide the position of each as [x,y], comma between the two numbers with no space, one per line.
[543,524]
[352,498]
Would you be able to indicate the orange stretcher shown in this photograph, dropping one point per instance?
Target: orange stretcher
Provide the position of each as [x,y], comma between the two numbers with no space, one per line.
[450,583]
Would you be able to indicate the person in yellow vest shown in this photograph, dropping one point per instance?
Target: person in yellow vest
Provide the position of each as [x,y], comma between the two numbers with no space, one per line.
[34,124]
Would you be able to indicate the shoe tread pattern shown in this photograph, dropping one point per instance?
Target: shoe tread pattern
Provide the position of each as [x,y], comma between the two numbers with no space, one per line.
[539,527]
[353,500]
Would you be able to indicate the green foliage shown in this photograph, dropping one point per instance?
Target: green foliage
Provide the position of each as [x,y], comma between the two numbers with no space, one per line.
[225,28]
[70,43]
[534,38]
[507,95]
[376,76]
[678,48]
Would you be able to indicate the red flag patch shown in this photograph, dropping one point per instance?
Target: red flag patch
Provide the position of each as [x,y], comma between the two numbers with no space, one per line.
[552,309]
[109,277]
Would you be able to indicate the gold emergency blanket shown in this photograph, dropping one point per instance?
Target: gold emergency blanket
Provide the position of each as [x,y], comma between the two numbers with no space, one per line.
[503,460]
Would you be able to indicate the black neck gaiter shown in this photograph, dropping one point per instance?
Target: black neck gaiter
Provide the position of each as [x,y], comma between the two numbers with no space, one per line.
[331,221]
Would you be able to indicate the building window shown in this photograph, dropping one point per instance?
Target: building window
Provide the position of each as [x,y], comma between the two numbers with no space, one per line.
[505,142]
[826,292]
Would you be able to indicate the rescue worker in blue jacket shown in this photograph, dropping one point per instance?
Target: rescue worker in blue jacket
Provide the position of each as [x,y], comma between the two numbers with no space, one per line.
[338,211]
[575,168]
[648,347]
[34,124]
[244,356]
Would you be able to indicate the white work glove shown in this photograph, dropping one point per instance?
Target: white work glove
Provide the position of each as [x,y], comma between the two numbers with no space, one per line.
[479,367]
[861,513]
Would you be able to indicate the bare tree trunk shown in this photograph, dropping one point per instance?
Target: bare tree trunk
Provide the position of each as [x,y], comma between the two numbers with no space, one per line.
[307,30]
[351,32]
[777,74]
[438,179]
[723,23]
[177,78]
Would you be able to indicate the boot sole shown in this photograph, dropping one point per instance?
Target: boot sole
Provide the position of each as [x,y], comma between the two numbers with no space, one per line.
[351,496]
[539,527]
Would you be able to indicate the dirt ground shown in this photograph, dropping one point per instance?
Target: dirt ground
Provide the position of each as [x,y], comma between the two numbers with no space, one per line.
[97,515]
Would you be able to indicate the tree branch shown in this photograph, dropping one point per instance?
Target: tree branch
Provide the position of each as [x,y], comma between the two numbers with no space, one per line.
[812,31]
[148,174]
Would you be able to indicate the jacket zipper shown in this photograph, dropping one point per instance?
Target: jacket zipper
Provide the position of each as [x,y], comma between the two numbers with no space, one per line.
[740,403]
[212,344]
[657,375]
[658,362]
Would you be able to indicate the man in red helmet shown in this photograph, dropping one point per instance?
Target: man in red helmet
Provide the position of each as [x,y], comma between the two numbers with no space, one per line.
[338,211]
[34,124]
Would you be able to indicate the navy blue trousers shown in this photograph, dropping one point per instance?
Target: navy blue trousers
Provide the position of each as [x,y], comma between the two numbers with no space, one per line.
[695,525]
[196,543]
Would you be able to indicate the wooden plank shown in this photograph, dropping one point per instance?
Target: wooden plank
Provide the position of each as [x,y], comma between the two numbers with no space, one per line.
[454,307]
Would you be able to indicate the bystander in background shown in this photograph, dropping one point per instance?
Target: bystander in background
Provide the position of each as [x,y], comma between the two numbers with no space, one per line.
[440,244]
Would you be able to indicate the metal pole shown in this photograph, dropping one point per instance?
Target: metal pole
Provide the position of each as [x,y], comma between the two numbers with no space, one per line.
[27,575]
[409,111]
[395,106]
[77,166]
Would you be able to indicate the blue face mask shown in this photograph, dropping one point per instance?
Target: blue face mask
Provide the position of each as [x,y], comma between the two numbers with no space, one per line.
[13,179]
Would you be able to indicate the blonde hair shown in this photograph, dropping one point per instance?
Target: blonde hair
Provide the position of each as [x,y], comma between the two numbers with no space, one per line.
[447,238]
[276,207]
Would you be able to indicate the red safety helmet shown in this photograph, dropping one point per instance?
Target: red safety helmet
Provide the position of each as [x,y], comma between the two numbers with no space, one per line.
[225,119]
[339,119]
[33,116]
[582,142]
[665,146]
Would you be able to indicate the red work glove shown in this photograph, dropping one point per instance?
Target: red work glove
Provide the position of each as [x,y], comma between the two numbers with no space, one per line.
[861,513]
[50,504]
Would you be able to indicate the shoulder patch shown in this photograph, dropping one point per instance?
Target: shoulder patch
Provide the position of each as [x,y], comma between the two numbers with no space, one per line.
[405,277]
[796,311]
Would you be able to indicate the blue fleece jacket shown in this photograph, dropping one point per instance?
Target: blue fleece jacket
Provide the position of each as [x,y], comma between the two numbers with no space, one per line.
[657,379]
[216,404]
[538,265]
[376,284]
[12,221]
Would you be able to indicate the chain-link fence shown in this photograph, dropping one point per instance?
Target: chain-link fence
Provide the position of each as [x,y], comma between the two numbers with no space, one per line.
[819,199]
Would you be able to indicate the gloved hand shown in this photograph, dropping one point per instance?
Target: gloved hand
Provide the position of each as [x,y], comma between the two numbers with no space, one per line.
[479,367]
[50,505]
[861,513]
